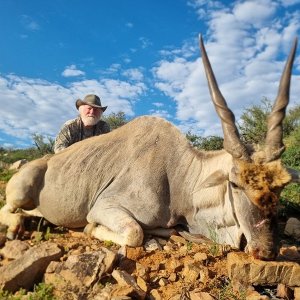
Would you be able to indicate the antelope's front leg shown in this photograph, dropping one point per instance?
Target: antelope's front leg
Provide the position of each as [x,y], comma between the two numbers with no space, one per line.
[12,220]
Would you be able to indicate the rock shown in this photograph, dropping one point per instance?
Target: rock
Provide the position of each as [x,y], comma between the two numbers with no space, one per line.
[162,281]
[131,287]
[284,292]
[152,245]
[126,291]
[142,271]
[247,270]
[178,239]
[191,273]
[154,295]
[253,295]
[134,253]
[289,253]
[200,256]
[174,265]
[18,164]
[173,277]
[27,270]
[292,228]
[200,296]
[14,249]
[142,284]
[80,271]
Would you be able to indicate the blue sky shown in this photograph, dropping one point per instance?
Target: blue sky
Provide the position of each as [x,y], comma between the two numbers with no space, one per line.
[141,57]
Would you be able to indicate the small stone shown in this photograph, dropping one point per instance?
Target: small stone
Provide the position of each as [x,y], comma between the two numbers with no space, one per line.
[178,239]
[200,296]
[163,282]
[200,256]
[289,253]
[174,265]
[167,248]
[292,228]
[134,253]
[155,295]
[14,249]
[126,280]
[173,277]
[253,295]
[152,245]
[142,271]
[191,272]
[284,291]
[142,284]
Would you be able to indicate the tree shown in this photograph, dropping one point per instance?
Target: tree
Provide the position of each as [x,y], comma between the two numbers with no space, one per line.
[205,143]
[41,145]
[253,125]
[116,120]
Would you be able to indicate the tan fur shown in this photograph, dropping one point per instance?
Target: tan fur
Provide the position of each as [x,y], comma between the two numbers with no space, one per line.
[263,182]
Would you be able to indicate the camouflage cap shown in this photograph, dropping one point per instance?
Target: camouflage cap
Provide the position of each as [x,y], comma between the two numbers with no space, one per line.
[92,100]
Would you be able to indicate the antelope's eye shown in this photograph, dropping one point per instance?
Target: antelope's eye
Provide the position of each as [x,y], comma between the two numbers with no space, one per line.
[233,185]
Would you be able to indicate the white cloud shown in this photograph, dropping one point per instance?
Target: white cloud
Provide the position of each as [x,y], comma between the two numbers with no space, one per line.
[247,46]
[72,71]
[145,43]
[29,23]
[158,104]
[287,3]
[129,24]
[160,113]
[133,74]
[255,12]
[37,106]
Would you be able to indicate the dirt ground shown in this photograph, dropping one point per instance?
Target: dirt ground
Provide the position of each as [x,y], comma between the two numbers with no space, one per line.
[176,269]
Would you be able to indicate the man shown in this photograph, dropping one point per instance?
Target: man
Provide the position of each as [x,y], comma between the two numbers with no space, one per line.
[87,124]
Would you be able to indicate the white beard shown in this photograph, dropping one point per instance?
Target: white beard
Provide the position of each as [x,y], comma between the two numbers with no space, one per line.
[90,120]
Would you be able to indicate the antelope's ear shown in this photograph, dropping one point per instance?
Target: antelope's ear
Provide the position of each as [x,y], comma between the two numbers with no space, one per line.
[295,174]
[213,179]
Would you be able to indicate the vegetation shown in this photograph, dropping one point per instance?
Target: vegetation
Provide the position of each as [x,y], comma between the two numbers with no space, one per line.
[42,291]
[116,120]
[253,124]
[205,143]
[42,146]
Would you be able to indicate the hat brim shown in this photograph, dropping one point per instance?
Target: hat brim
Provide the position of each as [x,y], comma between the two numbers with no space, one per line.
[79,102]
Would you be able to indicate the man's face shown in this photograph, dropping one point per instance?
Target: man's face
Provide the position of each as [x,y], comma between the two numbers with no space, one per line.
[90,115]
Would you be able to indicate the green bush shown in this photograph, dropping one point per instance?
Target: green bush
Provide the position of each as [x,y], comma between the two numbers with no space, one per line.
[42,291]
[6,174]
[10,156]
[291,157]
[205,143]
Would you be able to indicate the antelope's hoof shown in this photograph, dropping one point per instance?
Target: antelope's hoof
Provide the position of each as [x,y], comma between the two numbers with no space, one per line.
[88,229]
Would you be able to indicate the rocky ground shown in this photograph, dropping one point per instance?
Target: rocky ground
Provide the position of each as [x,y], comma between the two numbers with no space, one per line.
[80,267]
